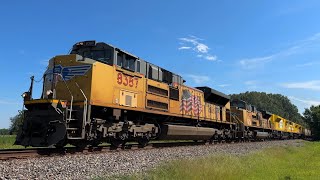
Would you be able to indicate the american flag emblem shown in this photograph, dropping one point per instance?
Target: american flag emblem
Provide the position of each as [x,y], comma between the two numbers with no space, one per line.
[197,106]
[186,101]
[190,102]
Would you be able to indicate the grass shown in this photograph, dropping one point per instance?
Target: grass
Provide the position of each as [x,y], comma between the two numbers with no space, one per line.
[274,163]
[6,142]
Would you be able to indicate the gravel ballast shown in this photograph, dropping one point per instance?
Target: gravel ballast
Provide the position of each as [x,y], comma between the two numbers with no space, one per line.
[119,163]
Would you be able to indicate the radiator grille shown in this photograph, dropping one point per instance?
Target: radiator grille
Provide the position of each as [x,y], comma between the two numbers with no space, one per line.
[156,104]
[157,90]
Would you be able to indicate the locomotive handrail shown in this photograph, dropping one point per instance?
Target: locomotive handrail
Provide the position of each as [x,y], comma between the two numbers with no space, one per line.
[71,103]
[236,117]
[85,108]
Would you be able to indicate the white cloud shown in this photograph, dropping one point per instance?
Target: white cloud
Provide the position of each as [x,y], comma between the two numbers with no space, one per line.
[5,102]
[198,79]
[305,101]
[250,82]
[184,47]
[308,64]
[195,37]
[252,85]
[224,85]
[255,62]
[314,37]
[310,85]
[193,43]
[45,62]
[211,58]
[295,48]
[191,40]
[202,48]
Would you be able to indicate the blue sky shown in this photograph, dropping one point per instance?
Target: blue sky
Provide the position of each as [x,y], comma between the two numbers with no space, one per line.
[232,46]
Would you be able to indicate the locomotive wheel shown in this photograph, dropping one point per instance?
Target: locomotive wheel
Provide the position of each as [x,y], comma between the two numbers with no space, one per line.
[57,134]
[95,143]
[143,141]
[117,142]
[61,144]
[79,144]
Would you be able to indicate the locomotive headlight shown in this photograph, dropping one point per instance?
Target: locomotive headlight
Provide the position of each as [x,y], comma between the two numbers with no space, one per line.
[49,92]
[24,95]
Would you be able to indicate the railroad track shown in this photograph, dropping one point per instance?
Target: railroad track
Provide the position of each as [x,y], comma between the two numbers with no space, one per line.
[9,154]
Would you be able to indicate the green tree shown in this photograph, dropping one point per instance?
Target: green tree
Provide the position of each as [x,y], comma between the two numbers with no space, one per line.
[312,118]
[16,121]
[274,103]
[4,131]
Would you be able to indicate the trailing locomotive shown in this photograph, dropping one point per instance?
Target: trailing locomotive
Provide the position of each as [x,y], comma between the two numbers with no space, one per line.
[100,93]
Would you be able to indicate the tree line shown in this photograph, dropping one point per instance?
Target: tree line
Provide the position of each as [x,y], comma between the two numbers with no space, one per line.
[15,122]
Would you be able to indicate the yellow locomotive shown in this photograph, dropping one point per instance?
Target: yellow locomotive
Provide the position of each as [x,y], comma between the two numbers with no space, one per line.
[262,124]
[100,93]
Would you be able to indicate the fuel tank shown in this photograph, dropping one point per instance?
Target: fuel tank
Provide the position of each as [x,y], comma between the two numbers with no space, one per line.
[178,132]
[261,135]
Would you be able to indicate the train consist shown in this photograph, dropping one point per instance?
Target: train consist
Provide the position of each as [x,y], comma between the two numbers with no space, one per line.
[100,93]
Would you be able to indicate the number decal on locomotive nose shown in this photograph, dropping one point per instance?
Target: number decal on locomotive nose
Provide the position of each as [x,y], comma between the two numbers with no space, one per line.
[127,80]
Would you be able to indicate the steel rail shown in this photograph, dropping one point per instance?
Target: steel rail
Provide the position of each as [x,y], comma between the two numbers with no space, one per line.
[10,154]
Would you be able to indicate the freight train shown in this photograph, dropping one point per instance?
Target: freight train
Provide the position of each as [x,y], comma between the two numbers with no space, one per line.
[100,93]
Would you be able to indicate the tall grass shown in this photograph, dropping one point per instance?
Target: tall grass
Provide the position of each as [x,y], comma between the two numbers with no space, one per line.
[6,142]
[274,163]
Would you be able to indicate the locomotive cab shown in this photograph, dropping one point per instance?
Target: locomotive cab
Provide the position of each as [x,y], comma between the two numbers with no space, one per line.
[98,51]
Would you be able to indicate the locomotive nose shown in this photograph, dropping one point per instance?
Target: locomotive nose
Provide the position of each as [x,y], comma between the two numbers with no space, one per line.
[42,125]
[37,134]
[31,133]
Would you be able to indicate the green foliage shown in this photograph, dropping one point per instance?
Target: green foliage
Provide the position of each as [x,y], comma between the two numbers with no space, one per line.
[274,103]
[4,131]
[275,163]
[16,121]
[312,118]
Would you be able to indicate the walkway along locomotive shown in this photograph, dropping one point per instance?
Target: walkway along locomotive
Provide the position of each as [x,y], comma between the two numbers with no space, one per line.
[100,93]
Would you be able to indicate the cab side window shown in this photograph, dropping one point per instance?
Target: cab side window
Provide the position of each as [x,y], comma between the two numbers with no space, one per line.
[138,66]
[129,63]
[119,59]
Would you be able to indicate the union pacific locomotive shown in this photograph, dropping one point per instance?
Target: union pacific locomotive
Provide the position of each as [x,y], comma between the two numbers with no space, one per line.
[100,93]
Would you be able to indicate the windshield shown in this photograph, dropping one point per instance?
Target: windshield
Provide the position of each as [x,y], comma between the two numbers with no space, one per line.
[129,63]
[238,104]
[99,55]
